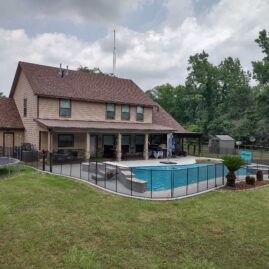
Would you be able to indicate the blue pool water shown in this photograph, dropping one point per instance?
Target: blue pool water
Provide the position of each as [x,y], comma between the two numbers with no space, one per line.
[167,177]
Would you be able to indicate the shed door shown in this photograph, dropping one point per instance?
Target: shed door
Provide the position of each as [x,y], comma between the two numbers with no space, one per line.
[8,143]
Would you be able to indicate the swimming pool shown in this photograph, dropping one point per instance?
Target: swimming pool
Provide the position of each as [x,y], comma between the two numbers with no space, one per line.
[161,178]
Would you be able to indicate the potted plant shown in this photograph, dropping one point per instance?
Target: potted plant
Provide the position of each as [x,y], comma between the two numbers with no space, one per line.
[233,163]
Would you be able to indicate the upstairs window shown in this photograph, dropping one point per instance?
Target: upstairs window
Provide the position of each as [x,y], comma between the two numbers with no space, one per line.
[110,111]
[65,108]
[139,113]
[24,107]
[125,112]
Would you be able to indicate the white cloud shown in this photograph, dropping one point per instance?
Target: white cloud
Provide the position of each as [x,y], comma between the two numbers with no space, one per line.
[77,11]
[178,11]
[149,58]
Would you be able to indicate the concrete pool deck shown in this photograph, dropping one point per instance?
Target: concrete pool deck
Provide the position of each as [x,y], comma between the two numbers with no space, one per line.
[157,162]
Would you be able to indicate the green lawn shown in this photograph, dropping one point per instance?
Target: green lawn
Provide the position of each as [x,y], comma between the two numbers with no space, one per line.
[51,222]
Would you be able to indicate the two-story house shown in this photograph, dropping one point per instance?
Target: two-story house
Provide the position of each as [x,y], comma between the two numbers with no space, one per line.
[94,114]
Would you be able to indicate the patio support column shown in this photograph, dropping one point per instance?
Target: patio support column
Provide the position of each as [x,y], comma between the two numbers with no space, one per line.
[49,141]
[146,147]
[88,146]
[118,147]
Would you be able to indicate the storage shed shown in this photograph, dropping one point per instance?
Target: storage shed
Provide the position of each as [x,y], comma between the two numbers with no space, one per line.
[221,144]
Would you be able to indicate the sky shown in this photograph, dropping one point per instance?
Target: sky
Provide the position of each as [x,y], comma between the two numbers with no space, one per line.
[154,38]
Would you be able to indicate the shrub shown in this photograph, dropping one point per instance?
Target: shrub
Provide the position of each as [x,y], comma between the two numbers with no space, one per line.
[233,163]
[259,175]
[250,180]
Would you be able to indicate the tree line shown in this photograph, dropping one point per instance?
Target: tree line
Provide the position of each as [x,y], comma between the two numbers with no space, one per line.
[219,99]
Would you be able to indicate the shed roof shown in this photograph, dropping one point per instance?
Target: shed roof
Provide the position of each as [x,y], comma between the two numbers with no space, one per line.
[225,137]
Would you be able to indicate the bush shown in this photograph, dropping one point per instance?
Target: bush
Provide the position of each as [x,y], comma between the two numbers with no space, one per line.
[250,180]
[233,163]
[259,175]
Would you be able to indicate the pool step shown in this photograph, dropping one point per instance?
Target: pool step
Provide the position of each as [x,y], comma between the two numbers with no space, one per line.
[127,173]
[102,175]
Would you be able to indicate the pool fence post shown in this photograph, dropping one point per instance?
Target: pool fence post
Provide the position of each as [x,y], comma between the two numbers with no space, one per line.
[207,177]
[222,174]
[187,185]
[215,174]
[198,178]
[96,170]
[116,178]
[8,169]
[89,168]
[105,176]
[151,182]
[131,181]
[171,179]
[43,160]
[80,170]
[50,155]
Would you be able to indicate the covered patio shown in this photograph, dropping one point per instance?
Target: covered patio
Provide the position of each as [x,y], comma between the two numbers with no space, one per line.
[116,140]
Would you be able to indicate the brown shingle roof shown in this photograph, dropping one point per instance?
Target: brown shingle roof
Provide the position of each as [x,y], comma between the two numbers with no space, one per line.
[104,125]
[9,114]
[45,81]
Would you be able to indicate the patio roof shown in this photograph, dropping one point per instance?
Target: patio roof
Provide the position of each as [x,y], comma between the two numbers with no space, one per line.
[101,125]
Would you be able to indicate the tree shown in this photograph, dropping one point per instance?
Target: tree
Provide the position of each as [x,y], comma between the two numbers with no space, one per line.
[261,68]
[235,94]
[261,74]
[95,70]
[202,83]
[1,94]
[219,99]
[174,100]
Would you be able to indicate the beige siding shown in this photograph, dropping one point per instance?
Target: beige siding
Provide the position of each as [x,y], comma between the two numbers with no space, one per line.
[18,138]
[49,109]
[44,141]
[148,115]
[24,90]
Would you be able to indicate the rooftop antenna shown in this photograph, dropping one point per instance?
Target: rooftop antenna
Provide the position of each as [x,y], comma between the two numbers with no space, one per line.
[114,54]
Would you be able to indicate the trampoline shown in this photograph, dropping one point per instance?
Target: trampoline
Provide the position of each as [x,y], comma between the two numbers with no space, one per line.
[7,161]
